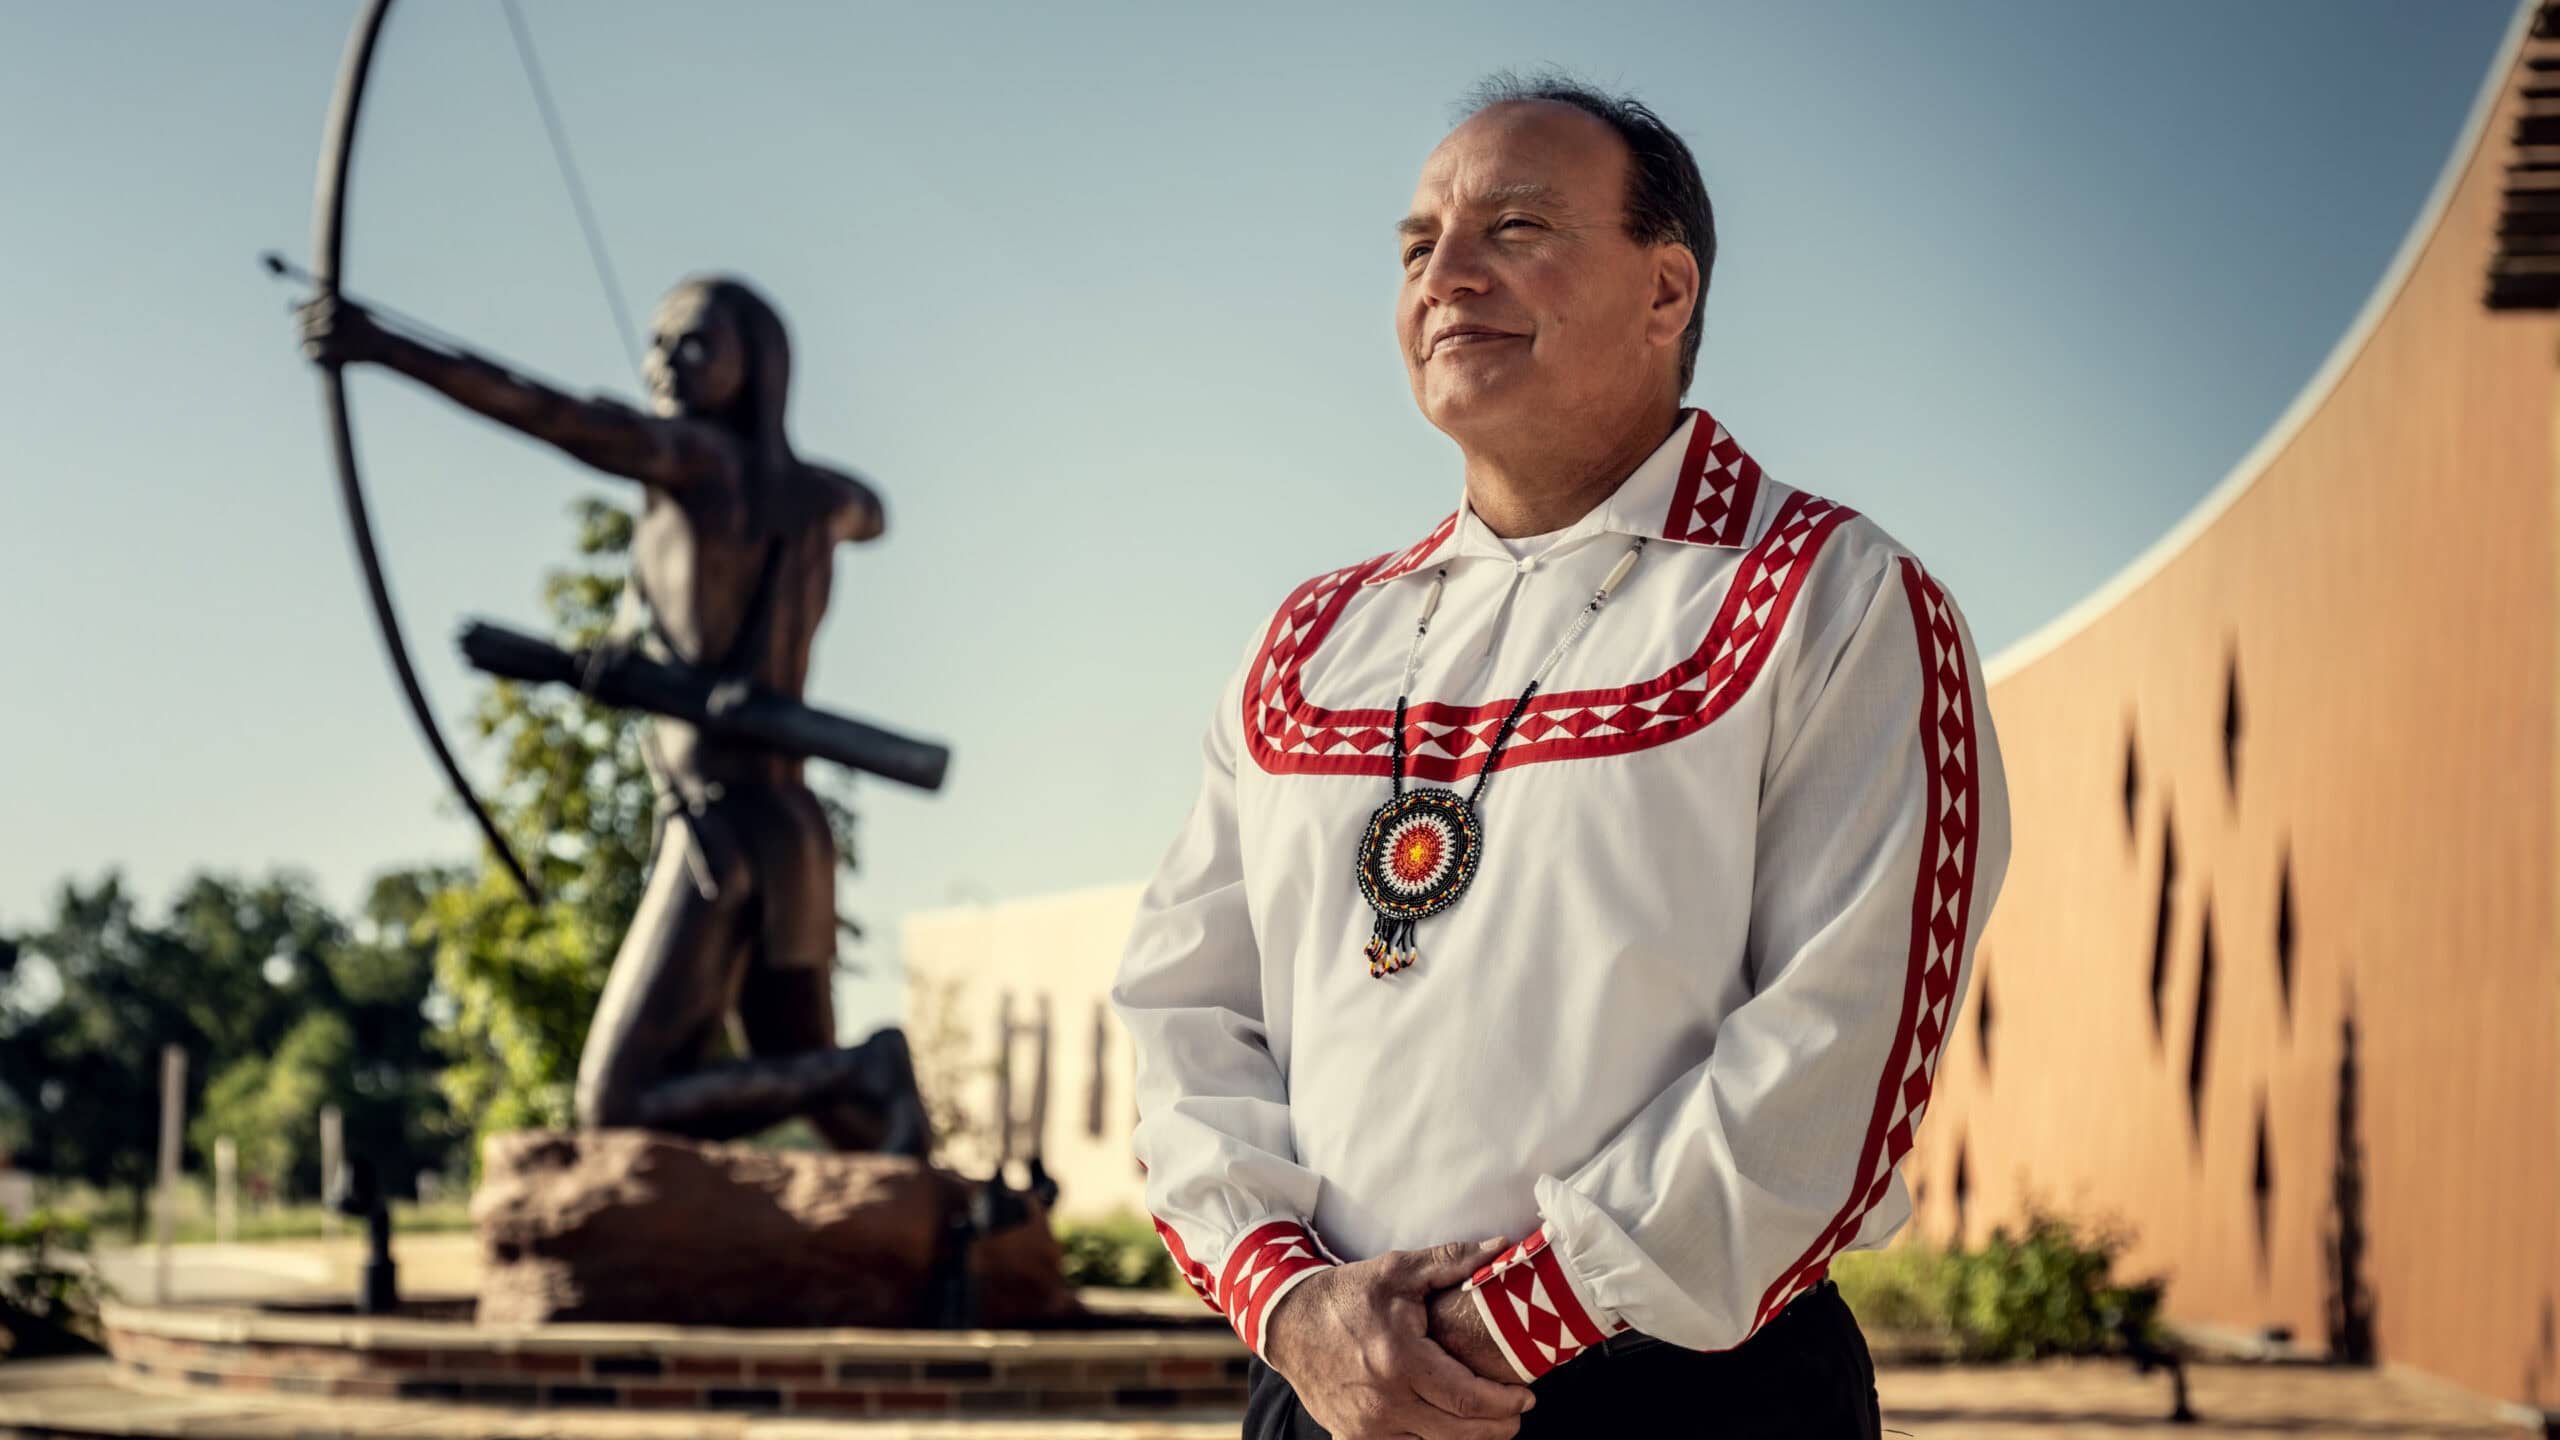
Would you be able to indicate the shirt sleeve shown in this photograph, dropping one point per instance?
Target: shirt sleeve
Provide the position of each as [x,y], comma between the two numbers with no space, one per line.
[1223,1183]
[1882,840]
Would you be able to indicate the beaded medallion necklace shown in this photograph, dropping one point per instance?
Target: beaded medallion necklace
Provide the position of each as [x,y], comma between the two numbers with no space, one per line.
[1422,847]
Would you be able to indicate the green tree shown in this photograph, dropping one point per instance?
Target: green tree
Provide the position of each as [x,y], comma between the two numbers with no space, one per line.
[573,796]
[269,1105]
[83,1066]
[386,991]
[279,1009]
[307,1013]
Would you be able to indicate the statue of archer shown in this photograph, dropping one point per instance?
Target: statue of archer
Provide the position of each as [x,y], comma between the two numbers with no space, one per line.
[731,567]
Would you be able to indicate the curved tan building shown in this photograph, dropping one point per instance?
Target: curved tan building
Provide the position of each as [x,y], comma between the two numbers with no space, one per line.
[2276,974]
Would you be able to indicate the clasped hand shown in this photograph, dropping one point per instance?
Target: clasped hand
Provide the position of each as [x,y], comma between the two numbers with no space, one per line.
[1387,1347]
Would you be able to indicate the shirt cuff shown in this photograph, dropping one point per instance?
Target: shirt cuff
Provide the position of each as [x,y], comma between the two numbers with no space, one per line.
[1193,1273]
[1272,1259]
[1539,1314]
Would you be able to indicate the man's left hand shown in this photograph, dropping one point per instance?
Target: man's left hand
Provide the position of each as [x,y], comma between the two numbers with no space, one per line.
[1459,1328]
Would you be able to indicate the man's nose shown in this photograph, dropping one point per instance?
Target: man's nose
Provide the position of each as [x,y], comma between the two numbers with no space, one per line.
[1455,267]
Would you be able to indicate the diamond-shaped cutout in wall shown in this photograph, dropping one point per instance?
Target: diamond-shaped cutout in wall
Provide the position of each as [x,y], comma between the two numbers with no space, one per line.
[2262,1186]
[1963,1190]
[2132,783]
[2284,938]
[2165,913]
[1982,1015]
[2200,1035]
[2231,724]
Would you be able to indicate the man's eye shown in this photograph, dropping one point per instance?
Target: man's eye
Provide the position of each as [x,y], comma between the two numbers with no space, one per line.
[1415,252]
[1515,220]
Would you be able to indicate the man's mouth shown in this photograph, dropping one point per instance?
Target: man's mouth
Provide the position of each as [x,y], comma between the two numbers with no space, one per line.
[1470,335]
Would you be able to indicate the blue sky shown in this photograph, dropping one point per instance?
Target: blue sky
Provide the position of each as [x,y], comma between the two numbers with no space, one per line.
[1100,298]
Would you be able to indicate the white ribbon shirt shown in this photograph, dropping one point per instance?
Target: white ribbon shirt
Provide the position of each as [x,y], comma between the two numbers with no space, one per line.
[1679,1030]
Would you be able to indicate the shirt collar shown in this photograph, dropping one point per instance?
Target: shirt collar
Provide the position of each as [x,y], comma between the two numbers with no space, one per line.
[1696,488]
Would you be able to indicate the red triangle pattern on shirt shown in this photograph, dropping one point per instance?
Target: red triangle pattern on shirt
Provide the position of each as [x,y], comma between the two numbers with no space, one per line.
[1718,485]
[1531,1307]
[1941,916]
[1288,734]
[1263,1266]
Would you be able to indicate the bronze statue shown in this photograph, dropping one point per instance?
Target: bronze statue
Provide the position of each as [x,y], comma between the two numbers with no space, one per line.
[731,568]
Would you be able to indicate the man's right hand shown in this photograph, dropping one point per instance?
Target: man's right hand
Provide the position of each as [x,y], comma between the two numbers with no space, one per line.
[1352,1341]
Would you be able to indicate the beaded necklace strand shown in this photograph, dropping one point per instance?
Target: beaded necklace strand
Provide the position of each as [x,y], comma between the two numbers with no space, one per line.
[1423,846]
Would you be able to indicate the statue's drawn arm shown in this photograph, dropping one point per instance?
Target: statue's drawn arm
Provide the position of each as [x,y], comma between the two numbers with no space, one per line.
[670,454]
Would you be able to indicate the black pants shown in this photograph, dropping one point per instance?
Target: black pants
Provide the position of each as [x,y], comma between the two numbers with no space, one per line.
[1805,1375]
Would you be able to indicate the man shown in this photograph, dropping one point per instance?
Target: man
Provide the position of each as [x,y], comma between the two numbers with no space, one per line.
[1659,1009]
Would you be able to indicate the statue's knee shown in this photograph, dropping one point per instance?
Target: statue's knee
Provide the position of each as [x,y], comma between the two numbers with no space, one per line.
[890,1064]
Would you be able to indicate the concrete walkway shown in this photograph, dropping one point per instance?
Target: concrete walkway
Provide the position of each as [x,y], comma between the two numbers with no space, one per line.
[2062,1398]
[2057,1398]
[2044,1401]
[445,1262]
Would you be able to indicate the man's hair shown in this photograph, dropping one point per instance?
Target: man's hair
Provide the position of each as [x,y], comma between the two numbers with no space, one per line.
[1666,197]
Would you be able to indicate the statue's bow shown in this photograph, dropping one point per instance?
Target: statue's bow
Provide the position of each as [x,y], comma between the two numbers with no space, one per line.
[328,229]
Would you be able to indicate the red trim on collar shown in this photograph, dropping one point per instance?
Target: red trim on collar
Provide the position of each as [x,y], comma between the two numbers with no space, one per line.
[1290,735]
[1711,501]
[1406,561]
[1711,504]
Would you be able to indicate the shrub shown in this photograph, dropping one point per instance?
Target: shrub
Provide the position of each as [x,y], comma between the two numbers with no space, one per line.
[2049,1289]
[49,1291]
[1901,1288]
[1121,1252]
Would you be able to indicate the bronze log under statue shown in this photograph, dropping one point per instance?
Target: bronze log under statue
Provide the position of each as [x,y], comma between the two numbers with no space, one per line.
[731,569]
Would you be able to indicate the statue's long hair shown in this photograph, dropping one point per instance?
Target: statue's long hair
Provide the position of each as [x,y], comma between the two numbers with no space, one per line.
[757,415]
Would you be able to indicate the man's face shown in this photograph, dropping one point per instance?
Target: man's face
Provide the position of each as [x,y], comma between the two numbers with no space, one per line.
[1523,296]
[696,360]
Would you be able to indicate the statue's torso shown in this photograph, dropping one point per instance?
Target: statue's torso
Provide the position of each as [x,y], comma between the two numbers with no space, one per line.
[699,560]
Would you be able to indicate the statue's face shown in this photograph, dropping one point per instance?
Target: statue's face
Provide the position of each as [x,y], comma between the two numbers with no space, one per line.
[697,360]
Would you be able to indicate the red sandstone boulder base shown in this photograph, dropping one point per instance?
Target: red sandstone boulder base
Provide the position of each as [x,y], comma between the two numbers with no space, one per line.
[635,1227]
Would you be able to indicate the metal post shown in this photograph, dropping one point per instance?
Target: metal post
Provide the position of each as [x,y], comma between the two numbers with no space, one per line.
[1094,1118]
[1037,1144]
[226,1190]
[333,1153]
[173,1101]
[1004,1080]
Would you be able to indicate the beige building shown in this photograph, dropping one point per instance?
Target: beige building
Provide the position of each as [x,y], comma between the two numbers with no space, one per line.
[970,965]
[2275,977]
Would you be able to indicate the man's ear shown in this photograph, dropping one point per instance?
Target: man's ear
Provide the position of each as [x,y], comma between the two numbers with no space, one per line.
[1675,293]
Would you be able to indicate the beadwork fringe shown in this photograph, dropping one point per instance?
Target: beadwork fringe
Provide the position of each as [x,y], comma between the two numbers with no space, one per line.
[1390,947]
